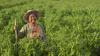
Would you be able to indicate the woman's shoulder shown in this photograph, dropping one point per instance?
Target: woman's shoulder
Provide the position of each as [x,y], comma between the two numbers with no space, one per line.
[25,26]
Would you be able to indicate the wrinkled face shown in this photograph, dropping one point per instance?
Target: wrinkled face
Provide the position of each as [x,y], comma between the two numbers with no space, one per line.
[32,18]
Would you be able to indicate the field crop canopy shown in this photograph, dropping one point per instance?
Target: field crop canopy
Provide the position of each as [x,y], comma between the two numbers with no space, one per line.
[72,28]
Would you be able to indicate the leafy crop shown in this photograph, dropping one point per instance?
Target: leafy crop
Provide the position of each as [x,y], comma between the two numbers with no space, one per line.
[72,28]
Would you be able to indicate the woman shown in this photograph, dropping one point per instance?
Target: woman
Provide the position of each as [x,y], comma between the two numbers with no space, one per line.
[32,30]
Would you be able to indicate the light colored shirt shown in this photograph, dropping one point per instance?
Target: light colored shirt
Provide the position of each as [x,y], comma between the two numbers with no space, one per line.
[28,31]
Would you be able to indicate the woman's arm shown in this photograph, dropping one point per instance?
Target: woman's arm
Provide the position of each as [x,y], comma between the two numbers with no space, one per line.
[22,32]
[41,33]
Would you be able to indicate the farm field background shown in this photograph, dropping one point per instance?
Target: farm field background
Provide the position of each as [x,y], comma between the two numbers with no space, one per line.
[72,28]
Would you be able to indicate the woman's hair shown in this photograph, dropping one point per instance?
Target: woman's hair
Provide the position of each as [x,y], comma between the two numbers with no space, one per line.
[28,13]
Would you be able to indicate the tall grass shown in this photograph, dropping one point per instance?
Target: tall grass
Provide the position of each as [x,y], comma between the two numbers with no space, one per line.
[72,28]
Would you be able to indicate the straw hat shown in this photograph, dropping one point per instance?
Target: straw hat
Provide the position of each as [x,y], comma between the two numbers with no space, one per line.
[29,12]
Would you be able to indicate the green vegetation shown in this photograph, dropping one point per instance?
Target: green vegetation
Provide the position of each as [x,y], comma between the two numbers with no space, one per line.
[72,28]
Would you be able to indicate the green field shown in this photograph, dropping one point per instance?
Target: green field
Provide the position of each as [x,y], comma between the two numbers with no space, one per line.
[72,28]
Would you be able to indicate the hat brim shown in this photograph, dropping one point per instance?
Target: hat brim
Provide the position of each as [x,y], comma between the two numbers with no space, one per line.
[26,15]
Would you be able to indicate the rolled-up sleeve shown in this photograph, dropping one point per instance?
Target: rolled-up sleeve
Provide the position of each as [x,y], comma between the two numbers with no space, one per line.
[22,32]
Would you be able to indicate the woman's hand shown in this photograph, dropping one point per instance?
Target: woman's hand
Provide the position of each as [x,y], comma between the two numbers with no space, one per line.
[35,34]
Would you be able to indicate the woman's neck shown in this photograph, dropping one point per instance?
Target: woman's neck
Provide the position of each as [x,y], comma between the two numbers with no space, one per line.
[32,24]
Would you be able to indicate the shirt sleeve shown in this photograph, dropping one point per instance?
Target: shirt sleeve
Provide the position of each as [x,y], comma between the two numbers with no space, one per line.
[22,32]
[41,33]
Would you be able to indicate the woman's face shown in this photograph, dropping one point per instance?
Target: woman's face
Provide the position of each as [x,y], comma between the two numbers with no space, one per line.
[32,18]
